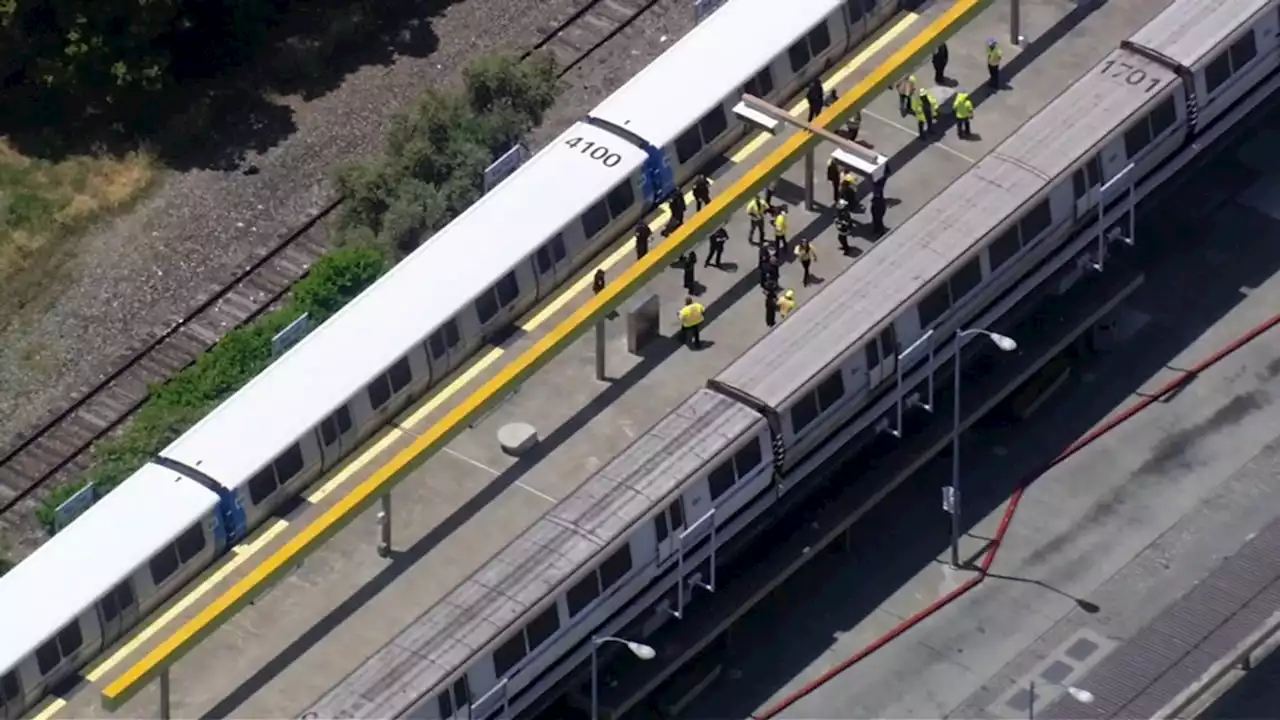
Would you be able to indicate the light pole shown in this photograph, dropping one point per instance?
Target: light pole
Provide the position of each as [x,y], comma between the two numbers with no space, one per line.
[640,650]
[1081,695]
[1007,344]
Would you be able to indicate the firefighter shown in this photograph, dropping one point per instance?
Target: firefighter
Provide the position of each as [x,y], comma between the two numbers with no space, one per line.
[844,226]
[786,303]
[994,56]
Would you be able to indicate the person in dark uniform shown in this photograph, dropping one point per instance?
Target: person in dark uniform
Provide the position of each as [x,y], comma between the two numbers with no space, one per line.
[643,233]
[715,256]
[597,281]
[878,207]
[676,207]
[690,266]
[815,96]
[770,307]
[844,226]
[701,192]
[940,58]
[833,177]
[769,272]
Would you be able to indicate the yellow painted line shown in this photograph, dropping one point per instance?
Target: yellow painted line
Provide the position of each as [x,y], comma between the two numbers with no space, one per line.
[223,607]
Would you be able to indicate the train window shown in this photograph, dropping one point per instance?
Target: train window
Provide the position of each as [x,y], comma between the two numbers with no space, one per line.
[338,423]
[760,85]
[1217,72]
[712,125]
[9,688]
[615,567]
[166,562]
[543,258]
[542,627]
[676,511]
[1243,52]
[873,355]
[853,11]
[1089,176]
[805,412]
[1036,222]
[107,606]
[721,479]
[830,391]
[1137,138]
[660,529]
[582,594]
[596,219]
[446,705]
[889,341]
[191,542]
[328,431]
[70,639]
[819,39]
[508,292]
[1163,117]
[400,374]
[1077,183]
[620,200]
[508,654]
[262,485]
[799,55]
[1004,248]
[380,389]
[47,657]
[120,597]
[462,692]
[968,277]
[934,305]
[288,464]
[688,144]
[748,458]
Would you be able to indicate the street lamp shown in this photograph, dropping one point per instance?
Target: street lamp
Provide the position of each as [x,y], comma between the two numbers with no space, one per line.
[640,650]
[1081,695]
[1006,344]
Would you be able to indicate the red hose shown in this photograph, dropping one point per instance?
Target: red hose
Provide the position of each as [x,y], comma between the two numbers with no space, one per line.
[990,555]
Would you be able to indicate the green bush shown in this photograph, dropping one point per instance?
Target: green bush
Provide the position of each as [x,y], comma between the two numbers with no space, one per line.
[433,168]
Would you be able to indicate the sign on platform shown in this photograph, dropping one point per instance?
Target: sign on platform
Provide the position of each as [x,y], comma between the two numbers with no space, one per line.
[74,506]
[703,8]
[949,499]
[290,336]
[510,161]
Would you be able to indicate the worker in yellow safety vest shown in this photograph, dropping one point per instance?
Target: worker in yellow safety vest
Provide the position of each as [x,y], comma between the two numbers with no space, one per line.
[780,231]
[994,56]
[691,316]
[963,108]
[926,111]
[906,90]
[786,303]
[755,213]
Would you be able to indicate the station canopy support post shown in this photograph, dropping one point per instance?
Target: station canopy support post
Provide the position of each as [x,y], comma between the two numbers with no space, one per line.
[1105,235]
[866,163]
[164,694]
[600,352]
[384,526]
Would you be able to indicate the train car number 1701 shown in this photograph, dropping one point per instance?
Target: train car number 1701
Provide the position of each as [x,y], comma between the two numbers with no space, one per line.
[594,151]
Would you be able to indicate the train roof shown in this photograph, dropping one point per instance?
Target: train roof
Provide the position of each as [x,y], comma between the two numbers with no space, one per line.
[76,567]
[336,361]
[709,64]
[946,232]
[1192,32]
[507,591]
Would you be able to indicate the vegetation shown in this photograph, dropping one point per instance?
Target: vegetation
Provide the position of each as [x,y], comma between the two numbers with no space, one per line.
[432,169]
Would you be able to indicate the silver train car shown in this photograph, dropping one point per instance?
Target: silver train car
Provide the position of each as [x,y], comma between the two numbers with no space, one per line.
[630,547]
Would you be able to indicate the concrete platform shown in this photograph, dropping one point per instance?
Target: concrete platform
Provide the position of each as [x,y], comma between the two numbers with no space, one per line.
[1100,545]
[320,622]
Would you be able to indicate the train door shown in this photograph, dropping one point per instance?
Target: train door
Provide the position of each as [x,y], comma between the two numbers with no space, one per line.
[337,436]
[1087,182]
[552,265]
[882,357]
[117,612]
[445,350]
[668,525]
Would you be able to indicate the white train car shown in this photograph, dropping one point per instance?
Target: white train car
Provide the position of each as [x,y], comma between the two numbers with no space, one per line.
[1021,213]
[512,630]
[683,102]
[405,334]
[89,584]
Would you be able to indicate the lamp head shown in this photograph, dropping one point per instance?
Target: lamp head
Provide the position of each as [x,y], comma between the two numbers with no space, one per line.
[642,651]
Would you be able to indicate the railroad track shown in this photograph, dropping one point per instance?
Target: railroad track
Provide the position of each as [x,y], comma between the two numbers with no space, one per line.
[59,448]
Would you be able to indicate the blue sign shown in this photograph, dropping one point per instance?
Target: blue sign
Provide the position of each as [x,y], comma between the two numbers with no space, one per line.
[703,8]
[510,161]
[74,506]
[290,336]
